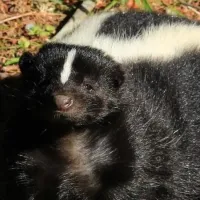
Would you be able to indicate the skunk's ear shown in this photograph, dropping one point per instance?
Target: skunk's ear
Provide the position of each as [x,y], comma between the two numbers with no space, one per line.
[30,69]
[26,62]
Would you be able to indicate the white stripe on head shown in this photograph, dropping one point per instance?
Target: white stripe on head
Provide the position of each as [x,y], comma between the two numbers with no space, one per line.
[64,76]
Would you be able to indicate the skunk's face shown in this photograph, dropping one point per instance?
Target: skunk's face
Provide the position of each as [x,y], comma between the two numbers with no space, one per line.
[73,84]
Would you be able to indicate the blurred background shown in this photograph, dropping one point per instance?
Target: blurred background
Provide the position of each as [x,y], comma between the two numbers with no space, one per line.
[27,24]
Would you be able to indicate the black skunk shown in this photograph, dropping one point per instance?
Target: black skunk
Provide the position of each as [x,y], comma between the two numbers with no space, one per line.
[85,130]
[67,148]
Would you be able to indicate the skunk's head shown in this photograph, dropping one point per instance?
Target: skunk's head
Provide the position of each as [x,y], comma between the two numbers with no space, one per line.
[72,83]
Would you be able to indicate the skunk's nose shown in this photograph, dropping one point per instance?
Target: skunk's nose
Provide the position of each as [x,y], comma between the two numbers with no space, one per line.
[63,102]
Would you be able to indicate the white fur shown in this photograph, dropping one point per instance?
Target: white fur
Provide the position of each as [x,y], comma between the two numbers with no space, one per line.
[164,42]
[157,43]
[85,34]
[64,76]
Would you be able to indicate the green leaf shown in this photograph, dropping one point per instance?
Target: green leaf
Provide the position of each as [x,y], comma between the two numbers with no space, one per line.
[35,30]
[146,5]
[41,31]
[49,28]
[30,32]
[3,27]
[57,1]
[111,5]
[12,61]
[123,2]
[24,42]
[44,33]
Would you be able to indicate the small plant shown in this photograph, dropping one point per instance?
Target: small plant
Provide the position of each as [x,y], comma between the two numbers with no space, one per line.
[12,61]
[23,43]
[41,31]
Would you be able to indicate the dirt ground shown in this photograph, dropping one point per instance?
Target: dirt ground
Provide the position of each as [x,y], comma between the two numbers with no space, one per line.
[27,24]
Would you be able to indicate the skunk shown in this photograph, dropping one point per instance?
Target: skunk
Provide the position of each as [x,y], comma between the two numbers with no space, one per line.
[67,147]
[133,35]
[86,129]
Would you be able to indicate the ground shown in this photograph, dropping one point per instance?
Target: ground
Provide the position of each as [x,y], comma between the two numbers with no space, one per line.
[27,24]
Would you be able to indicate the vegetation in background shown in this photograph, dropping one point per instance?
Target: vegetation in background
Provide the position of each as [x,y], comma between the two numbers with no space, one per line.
[27,24]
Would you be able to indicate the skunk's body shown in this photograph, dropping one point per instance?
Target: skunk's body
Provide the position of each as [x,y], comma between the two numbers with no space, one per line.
[140,35]
[162,115]
[92,132]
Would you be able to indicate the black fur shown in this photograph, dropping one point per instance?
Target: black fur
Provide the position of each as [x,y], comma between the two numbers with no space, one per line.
[133,23]
[164,125]
[73,154]
[141,140]
[91,85]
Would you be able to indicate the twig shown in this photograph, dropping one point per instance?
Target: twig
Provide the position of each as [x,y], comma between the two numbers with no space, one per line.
[28,14]
[190,5]
[47,13]
[17,17]
[194,10]
[7,38]
[10,47]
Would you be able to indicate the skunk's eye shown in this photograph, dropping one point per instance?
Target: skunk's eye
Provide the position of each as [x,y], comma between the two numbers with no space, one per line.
[116,83]
[88,87]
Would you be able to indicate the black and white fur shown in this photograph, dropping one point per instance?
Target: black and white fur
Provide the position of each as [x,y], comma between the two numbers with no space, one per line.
[131,36]
[144,145]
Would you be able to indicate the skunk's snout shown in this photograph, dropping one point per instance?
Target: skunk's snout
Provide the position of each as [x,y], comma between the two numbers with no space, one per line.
[63,102]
